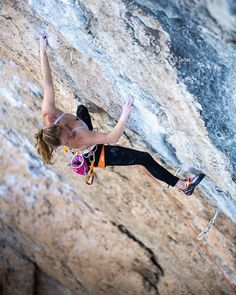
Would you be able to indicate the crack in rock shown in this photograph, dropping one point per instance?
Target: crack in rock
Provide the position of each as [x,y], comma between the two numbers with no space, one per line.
[149,282]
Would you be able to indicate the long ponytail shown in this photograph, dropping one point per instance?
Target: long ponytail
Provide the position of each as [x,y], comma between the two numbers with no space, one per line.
[47,140]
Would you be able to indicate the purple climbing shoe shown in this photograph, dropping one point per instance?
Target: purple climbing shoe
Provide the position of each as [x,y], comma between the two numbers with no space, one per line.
[192,183]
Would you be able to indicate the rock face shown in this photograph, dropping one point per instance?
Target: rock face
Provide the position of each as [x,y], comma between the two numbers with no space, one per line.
[124,234]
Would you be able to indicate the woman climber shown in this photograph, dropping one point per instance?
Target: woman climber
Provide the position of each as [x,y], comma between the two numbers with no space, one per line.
[76,132]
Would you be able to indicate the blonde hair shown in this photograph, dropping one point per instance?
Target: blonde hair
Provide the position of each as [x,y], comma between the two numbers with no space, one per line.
[48,139]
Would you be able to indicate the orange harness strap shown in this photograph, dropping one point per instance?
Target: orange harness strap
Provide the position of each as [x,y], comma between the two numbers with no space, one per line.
[101,162]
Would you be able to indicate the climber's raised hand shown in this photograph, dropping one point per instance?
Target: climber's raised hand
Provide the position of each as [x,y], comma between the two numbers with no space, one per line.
[43,43]
[127,108]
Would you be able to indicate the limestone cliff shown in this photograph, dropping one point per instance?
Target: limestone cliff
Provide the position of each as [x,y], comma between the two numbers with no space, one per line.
[124,235]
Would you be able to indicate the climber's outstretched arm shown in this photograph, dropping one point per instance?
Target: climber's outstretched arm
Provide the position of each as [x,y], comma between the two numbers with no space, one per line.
[91,137]
[49,109]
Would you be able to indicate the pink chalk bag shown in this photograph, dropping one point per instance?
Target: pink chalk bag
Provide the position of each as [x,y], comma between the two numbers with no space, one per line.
[79,164]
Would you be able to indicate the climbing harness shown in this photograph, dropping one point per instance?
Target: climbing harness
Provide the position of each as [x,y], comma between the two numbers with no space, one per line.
[79,164]
[211,223]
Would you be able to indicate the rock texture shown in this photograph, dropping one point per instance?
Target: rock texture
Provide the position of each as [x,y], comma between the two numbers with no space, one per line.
[124,234]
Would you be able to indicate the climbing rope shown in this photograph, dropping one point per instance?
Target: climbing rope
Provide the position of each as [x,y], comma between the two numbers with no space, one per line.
[212,221]
[210,224]
[212,258]
[201,235]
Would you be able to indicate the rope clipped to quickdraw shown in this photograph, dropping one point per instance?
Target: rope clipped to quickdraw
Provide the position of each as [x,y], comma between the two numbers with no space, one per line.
[166,186]
[210,224]
[212,221]
[203,234]
[212,258]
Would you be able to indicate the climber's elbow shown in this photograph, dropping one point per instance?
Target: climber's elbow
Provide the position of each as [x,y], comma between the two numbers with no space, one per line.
[112,138]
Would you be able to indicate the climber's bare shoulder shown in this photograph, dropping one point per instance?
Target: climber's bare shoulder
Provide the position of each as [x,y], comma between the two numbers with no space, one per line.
[50,117]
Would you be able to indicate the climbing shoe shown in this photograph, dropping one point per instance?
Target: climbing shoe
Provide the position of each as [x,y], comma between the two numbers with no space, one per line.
[191,183]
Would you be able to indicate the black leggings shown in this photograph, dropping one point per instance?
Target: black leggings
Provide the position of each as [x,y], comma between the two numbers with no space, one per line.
[121,156]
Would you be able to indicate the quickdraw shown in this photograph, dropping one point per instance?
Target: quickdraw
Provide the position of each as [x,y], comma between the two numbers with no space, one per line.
[101,164]
[90,177]
[209,226]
